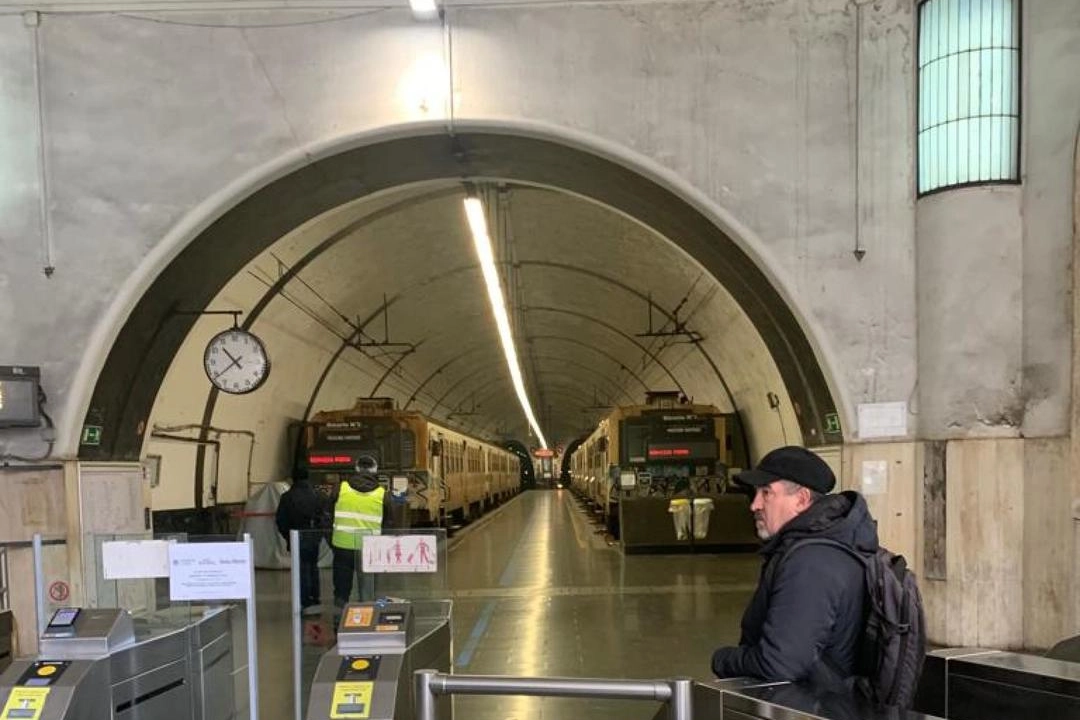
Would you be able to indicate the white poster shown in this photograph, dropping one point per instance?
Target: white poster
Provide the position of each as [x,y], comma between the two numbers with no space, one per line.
[875,477]
[400,553]
[878,420]
[128,560]
[209,571]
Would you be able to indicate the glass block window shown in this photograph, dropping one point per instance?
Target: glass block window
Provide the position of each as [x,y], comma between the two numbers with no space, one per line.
[969,92]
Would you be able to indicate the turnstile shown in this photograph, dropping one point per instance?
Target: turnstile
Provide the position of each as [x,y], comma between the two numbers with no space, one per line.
[747,699]
[7,626]
[369,673]
[98,663]
[973,684]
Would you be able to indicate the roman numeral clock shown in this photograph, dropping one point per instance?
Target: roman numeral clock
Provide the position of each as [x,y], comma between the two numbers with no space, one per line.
[236,362]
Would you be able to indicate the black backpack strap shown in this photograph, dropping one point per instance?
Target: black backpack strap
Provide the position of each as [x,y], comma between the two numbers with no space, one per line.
[861,557]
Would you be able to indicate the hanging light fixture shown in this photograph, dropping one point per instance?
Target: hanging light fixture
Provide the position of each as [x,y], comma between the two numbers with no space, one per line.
[474,212]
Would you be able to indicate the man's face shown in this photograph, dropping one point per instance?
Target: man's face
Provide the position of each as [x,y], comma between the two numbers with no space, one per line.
[775,504]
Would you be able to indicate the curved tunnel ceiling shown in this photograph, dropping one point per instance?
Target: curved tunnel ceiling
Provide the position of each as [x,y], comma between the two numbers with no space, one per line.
[311,256]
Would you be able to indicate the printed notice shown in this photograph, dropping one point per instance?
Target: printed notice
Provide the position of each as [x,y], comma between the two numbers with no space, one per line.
[878,420]
[875,477]
[209,571]
[399,553]
[25,703]
[126,560]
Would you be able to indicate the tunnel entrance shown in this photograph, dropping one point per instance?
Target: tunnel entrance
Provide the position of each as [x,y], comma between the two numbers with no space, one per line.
[162,319]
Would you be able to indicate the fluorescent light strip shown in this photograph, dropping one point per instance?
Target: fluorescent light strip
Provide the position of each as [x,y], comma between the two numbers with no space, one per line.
[474,211]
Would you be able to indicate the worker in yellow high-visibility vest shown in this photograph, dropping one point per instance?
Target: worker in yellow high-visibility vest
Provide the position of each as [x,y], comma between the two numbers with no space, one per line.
[360,509]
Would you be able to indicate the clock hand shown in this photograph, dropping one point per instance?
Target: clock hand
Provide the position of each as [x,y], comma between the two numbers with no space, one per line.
[229,354]
[235,361]
[222,372]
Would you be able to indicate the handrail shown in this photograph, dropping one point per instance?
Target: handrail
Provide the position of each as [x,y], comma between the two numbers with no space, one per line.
[676,692]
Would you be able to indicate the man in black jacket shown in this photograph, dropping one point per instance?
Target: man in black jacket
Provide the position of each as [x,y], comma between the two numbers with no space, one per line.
[302,508]
[806,618]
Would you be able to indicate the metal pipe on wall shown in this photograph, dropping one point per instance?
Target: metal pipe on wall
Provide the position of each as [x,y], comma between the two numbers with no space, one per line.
[162,432]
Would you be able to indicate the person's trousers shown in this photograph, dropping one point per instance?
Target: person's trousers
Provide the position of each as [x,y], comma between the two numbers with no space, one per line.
[346,567]
[309,570]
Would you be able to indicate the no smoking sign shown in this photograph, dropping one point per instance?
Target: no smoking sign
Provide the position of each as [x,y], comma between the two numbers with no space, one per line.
[58,591]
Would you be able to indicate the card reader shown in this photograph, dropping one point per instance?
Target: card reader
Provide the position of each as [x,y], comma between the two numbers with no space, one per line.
[62,623]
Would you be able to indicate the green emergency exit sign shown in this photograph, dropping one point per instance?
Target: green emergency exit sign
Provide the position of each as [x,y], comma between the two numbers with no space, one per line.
[91,435]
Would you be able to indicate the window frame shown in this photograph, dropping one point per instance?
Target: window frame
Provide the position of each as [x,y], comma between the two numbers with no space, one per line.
[1019,155]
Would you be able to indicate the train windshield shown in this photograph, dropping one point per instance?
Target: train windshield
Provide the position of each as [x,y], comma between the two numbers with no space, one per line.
[392,446]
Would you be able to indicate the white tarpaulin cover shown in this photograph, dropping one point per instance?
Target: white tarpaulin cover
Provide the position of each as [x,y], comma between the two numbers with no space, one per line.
[269,547]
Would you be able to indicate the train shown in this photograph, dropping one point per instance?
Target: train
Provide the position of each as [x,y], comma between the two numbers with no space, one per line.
[668,447]
[546,462]
[443,474]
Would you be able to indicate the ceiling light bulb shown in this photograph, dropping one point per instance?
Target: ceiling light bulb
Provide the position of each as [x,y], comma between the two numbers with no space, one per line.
[474,212]
[424,8]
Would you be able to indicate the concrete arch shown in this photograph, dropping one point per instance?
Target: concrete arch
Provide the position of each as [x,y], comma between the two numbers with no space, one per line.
[134,343]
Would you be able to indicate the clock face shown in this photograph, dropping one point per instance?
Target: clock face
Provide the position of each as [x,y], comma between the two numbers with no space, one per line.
[236,361]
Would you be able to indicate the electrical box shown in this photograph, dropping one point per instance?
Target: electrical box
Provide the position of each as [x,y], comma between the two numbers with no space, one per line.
[19,396]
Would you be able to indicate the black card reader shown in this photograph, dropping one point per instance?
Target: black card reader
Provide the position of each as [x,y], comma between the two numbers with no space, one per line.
[62,622]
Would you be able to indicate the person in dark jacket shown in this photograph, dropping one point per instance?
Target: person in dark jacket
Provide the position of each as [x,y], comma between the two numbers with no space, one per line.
[805,620]
[302,508]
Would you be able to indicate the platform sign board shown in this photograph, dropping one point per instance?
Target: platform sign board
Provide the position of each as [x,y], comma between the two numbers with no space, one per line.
[400,554]
[210,571]
[127,560]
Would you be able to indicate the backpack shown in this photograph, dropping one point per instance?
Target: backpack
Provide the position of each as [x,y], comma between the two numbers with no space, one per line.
[893,646]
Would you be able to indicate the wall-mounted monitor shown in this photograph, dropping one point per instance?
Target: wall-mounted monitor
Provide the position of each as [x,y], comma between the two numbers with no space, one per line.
[19,396]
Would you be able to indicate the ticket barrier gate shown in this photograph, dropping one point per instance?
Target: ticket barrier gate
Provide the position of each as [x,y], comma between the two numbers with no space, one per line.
[96,663]
[7,626]
[975,684]
[749,699]
[369,673]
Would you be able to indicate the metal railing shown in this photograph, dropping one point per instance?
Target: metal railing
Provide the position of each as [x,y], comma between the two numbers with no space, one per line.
[676,692]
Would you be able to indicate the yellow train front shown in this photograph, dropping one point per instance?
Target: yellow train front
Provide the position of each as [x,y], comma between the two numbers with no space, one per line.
[641,458]
[439,474]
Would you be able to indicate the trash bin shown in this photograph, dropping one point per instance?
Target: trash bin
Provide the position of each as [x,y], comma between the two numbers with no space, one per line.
[703,508]
[680,515]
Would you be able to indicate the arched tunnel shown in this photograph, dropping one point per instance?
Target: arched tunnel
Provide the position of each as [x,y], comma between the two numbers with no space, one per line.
[358,273]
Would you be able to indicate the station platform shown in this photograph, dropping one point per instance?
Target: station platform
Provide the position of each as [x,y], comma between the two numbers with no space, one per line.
[538,591]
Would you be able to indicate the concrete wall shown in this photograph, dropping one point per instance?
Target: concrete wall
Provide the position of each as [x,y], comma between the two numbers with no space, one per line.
[995,325]
[970,312]
[1051,119]
[754,107]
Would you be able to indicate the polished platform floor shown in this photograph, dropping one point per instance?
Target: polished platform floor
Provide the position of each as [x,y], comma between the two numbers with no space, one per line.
[538,591]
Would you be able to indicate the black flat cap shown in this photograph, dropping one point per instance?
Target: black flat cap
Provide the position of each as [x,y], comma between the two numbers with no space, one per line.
[793,463]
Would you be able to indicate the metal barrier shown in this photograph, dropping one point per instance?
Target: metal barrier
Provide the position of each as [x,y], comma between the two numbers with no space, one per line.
[676,693]
[974,684]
